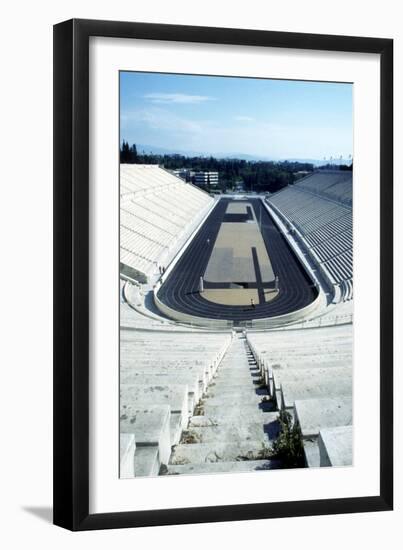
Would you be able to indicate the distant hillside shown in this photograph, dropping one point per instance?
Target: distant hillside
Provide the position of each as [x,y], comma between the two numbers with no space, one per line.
[155,150]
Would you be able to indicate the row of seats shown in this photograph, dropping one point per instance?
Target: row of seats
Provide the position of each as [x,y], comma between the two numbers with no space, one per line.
[325,225]
[340,267]
[310,212]
[330,247]
[142,178]
[157,212]
[340,226]
[309,374]
[162,378]
[130,258]
[144,246]
[333,184]
[145,227]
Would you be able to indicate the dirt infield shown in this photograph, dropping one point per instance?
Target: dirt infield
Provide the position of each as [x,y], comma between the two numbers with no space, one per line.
[231,296]
[237,297]
[239,257]
[238,208]
[231,260]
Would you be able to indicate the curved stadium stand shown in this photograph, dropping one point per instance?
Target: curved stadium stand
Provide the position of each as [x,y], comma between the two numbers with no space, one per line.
[197,400]
[319,209]
[152,227]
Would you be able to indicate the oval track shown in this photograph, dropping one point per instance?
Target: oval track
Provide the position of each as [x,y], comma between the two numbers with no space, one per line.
[180,290]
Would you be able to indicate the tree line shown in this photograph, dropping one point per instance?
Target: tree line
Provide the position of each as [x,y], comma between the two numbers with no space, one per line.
[259,176]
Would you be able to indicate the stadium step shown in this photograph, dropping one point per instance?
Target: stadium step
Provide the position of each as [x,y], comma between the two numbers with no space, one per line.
[312,454]
[336,446]
[146,461]
[237,409]
[246,389]
[223,467]
[151,426]
[235,383]
[232,417]
[238,401]
[316,414]
[226,451]
[254,431]
[234,425]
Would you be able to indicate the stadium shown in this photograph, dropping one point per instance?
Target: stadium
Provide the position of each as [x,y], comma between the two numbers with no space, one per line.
[236,318]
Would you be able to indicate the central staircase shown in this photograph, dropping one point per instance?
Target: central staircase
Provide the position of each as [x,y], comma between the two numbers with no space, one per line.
[234,423]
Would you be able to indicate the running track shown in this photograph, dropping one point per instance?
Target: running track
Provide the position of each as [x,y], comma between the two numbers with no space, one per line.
[180,290]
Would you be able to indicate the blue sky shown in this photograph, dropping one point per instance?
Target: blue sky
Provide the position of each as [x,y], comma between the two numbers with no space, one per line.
[224,115]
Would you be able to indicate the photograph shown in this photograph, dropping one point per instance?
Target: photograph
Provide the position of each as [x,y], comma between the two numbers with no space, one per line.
[235,274]
[202,295]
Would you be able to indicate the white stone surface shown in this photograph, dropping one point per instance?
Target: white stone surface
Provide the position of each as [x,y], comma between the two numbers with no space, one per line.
[219,452]
[336,446]
[191,379]
[147,461]
[316,414]
[158,211]
[327,388]
[150,425]
[137,396]
[127,450]
[223,467]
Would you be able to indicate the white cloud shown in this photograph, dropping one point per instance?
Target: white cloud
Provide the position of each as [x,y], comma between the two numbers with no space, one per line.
[177,98]
[242,118]
[160,119]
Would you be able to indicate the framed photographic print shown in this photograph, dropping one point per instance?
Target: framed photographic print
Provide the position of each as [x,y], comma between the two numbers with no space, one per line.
[223,320]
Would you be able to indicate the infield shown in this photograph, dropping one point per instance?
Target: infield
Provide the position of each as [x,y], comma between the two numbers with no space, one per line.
[231,260]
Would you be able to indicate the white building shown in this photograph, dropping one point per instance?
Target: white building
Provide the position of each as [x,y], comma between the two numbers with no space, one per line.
[183,173]
[204,179]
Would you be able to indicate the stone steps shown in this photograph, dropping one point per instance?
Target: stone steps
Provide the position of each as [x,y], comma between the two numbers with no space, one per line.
[336,446]
[316,414]
[234,378]
[234,429]
[254,431]
[242,400]
[164,379]
[230,417]
[219,452]
[147,461]
[236,391]
[235,370]
[222,385]
[151,426]
[223,467]
[126,452]
[294,391]
[176,397]
[240,409]
[311,451]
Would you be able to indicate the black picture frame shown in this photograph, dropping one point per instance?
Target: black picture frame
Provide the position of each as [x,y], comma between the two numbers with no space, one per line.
[71,273]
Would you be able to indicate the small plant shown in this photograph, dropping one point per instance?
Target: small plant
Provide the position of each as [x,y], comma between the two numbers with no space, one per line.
[261,454]
[189,437]
[288,446]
